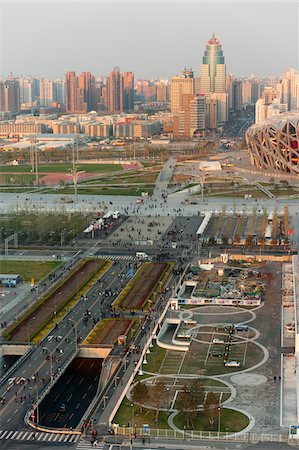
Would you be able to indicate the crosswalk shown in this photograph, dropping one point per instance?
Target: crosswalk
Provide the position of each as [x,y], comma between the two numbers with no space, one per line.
[86,444]
[118,257]
[39,436]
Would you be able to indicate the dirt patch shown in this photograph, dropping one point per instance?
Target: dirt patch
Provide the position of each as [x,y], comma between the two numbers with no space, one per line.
[146,279]
[53,179]
[110,331]
[55,301]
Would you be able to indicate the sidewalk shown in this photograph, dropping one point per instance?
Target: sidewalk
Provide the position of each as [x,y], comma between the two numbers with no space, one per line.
[288,390]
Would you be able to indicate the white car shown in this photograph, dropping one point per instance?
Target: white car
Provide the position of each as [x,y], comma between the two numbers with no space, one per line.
[190,322]
[217,341]
[232,364]
[184,336]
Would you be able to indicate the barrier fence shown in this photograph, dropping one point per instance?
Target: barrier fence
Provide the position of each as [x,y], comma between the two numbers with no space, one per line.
[157,433]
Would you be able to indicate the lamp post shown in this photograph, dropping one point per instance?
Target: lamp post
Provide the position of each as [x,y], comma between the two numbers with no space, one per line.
[28,324]
[36,405]
[76,333]
[104,398]
[219,418]
[115,382]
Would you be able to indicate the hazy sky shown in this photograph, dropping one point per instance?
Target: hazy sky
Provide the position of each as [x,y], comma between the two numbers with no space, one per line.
[153,39]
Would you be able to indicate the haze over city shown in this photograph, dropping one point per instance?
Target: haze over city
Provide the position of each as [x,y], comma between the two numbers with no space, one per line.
[151,39]
[149,225]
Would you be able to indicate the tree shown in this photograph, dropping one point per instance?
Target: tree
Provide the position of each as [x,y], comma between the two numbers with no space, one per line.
[224,239]
[249,240]
[211,406]
[186,404]
[139,394]
[198,392]
[158,393]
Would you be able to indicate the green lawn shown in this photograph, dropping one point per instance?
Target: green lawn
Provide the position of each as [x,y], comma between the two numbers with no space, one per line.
[15,179]
[63,167]
[125,415]
[28,269]
[94,190]
[230,421]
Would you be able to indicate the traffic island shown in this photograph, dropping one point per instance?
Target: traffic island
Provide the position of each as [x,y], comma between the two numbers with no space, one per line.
[52,307]
[142,291]
[106,333]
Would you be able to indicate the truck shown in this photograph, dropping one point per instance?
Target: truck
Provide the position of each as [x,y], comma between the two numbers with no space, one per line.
[141,255]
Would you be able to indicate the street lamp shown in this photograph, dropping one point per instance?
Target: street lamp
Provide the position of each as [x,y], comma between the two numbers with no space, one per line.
[28,323]
[115,382]
[104,398]
[76,332]
[219,417]
[36,405]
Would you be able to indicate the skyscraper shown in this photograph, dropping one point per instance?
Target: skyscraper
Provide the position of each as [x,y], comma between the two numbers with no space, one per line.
[10,95]
[46,92]
[128,93]
[213,68]
[71,92]
[213,78]
[87,85]
[115,88]
[181,85]
[80,92]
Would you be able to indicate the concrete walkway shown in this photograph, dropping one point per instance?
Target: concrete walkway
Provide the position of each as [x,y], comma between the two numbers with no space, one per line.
[288,397]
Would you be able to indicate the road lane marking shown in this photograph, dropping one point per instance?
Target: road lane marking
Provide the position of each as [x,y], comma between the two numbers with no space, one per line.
[13,436]
[18,437]
[61,437]
[29,436]
[9,434]
[66,438]
[40,436]
[5,432]
[25,434]
[56,437]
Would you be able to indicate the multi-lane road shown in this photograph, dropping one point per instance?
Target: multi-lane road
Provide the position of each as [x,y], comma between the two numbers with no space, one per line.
[55,352]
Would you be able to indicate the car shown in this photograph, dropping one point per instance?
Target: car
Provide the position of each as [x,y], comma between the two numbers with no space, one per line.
[290,327]
[217,341]
[62,408]
[190,322]
[241,327]
[184,336]
[232,364]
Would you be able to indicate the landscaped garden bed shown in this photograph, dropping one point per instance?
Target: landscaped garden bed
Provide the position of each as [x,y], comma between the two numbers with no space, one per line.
[42,316]
[141,291]
[107,331]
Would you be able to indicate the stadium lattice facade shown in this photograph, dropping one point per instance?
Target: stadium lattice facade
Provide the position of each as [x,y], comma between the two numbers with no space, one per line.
[274,143]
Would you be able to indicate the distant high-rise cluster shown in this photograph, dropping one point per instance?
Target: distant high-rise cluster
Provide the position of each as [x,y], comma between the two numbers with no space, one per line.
[186,106]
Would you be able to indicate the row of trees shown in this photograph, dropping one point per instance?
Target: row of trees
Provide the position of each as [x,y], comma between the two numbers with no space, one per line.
[190,401]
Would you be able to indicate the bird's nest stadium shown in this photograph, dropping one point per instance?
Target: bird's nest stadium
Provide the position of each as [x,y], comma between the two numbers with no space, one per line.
[274,143]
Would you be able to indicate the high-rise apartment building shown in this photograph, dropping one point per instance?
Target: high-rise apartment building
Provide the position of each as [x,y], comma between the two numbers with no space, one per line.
[181,85]
[128,93]
[25,90]
[236,95]
[290,88]
[115,91]
[80,92]
[87,88]
[197,114]
[265,109]
[58,87]
[10,95]
[46,92]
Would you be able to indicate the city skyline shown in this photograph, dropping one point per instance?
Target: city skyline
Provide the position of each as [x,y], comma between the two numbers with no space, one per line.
[150,52]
